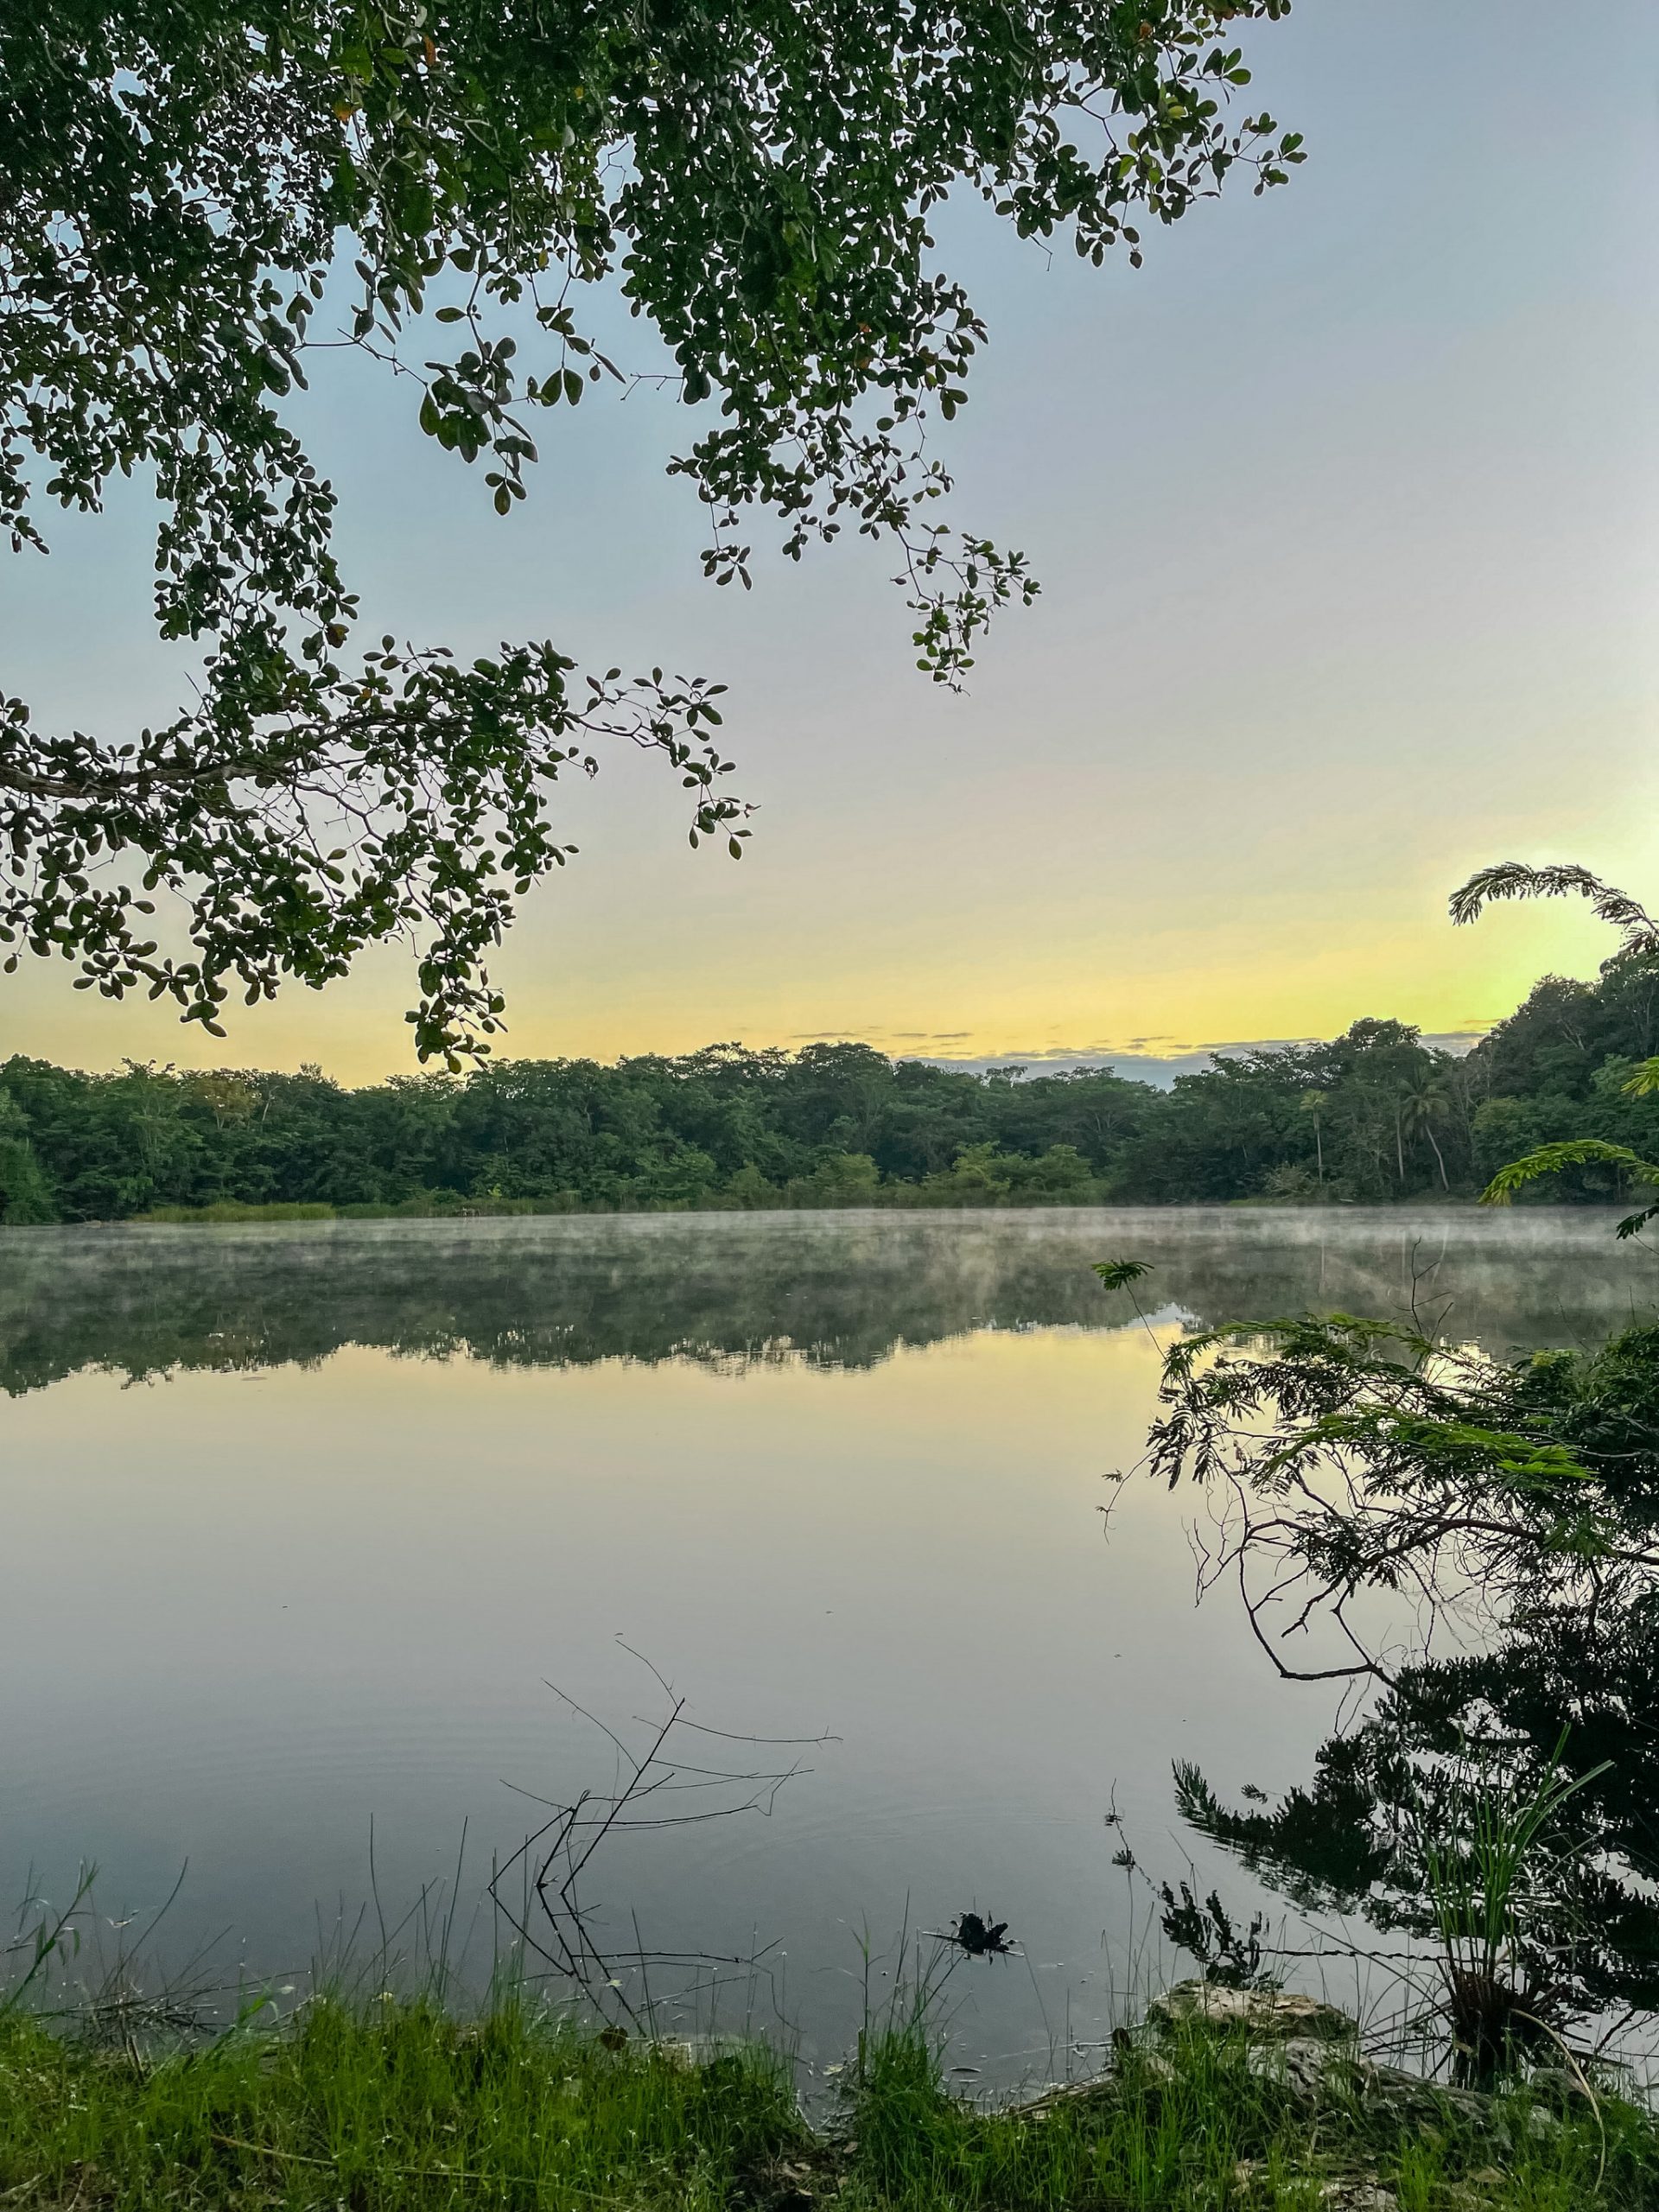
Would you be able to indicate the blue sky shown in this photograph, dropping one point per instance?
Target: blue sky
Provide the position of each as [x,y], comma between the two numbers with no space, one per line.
[1347,511]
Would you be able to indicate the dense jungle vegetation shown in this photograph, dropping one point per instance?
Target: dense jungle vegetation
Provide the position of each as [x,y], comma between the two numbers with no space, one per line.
[1371,1116]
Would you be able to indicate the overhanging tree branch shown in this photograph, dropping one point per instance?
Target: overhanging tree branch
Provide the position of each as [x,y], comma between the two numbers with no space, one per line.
[178,182]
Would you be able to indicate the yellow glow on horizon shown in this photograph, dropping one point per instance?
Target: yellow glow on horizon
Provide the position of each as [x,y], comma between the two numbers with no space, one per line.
[1292,975]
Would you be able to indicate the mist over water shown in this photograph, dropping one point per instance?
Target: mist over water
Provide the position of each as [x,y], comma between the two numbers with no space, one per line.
[302,1521]
[842,1289]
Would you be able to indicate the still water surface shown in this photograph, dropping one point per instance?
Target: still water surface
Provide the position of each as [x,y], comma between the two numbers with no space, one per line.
[300,1523]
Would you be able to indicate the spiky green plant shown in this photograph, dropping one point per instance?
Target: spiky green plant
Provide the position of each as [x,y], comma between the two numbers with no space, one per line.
[1499,2002]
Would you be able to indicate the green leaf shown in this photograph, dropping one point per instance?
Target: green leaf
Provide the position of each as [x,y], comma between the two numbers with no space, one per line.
[1551,1159]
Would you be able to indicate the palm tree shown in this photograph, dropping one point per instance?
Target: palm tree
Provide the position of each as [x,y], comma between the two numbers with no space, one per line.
[1314,1103]
[1419,1109]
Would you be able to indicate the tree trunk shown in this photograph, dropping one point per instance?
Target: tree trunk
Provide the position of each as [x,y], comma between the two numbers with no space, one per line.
[1439,1157]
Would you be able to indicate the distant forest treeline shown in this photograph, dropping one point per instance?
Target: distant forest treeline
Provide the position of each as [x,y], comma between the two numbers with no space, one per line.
[1371,1116]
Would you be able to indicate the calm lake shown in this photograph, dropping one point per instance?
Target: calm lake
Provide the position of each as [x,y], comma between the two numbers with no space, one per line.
[301,1523]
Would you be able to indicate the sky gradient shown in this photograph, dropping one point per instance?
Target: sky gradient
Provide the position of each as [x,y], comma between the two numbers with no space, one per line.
[1346,509]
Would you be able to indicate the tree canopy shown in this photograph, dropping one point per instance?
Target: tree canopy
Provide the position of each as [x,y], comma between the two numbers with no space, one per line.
[1375,1115]
[1636,962]
[189,187]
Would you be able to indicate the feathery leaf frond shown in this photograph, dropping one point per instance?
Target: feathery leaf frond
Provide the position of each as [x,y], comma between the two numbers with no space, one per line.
[1515,879]
[1576,1152]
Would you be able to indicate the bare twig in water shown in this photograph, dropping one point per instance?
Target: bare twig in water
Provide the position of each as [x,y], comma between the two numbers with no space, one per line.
[553,1920]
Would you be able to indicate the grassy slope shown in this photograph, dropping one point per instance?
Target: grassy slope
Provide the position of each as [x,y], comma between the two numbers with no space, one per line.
[401,2107]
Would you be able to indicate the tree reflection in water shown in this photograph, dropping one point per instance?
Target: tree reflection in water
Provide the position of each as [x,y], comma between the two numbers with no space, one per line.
[842,1289]
[1515,1505]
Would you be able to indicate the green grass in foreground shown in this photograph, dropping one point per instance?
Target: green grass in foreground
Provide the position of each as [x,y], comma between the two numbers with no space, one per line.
[398,2107]
[394,2106]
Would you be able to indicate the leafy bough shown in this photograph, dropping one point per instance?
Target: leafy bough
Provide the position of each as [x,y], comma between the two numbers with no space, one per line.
[410,798]
[1581,1151]
[1351,1456]
[179,180]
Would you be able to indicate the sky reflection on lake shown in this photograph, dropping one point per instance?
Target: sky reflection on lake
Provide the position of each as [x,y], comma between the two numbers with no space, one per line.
[378,1483]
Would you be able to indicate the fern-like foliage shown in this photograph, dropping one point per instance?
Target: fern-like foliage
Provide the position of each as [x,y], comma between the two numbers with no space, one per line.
[1515,879]
[1551,1159]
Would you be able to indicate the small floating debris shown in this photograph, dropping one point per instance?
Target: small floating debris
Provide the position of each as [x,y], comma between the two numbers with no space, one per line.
[979,1937]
